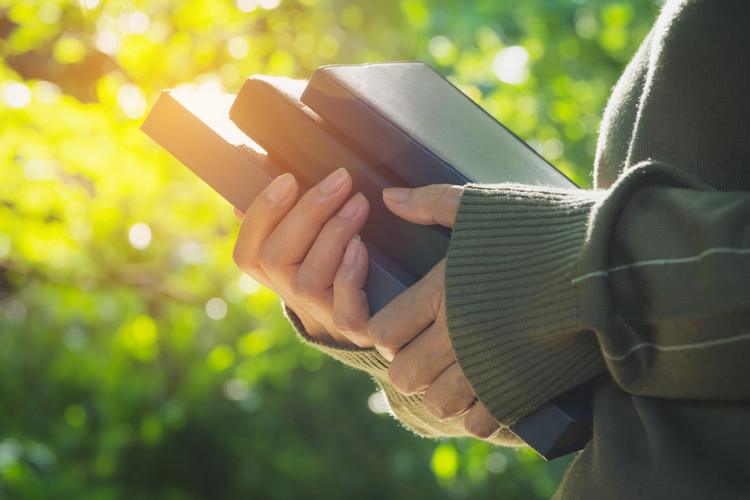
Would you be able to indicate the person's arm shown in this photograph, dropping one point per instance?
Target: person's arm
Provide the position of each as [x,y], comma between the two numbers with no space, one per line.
[650,279]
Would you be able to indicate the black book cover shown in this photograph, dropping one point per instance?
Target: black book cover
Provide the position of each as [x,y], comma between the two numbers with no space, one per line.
[421,128]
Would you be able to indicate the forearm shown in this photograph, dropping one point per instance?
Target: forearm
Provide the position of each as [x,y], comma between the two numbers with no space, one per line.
[547,288]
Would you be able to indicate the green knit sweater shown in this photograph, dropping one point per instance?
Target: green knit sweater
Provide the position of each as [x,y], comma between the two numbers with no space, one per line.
[646,277]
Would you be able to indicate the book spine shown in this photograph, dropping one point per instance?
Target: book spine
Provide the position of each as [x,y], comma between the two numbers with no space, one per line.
[232,172]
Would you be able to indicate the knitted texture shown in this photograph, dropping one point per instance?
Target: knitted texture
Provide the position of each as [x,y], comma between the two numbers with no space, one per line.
[408,409]
[512,313]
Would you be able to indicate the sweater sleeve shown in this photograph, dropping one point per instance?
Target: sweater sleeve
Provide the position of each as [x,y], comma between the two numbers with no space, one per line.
[649,280]
[408,409]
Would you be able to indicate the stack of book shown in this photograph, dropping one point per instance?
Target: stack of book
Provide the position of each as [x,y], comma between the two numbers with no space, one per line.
[388,124]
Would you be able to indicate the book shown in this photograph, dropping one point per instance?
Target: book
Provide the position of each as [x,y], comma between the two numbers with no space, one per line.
[195,128]
[269,110]
[419,127]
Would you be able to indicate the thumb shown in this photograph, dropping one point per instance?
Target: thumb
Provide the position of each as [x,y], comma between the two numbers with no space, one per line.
[433,204]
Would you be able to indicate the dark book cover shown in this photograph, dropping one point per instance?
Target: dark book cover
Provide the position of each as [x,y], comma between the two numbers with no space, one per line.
[268,109]
[421,128]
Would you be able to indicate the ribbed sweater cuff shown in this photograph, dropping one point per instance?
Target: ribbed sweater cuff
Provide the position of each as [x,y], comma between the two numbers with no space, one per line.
[368,360]
[512,312]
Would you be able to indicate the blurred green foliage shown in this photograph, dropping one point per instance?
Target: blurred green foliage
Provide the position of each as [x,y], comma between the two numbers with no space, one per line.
[135,361]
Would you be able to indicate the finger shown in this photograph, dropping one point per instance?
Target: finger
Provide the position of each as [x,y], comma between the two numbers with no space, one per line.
[480,424]
[350,308]
[313,280]
[417,365]
[409,314]
[450,395]
[286,247]
[260,219]
[433,204]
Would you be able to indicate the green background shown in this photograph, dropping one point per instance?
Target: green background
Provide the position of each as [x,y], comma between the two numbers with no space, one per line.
[135,361]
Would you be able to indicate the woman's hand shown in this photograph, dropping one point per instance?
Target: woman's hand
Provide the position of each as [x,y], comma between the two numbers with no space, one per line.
[412,330]
[296,246]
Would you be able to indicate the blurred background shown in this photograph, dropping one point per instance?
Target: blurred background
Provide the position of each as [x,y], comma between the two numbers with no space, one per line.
[136,361]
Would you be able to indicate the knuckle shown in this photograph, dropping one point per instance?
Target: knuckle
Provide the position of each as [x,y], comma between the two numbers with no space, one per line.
[344,321]
[434,406]
[403,378]
[476,425]
[268,258]
[376,332]
[302,287]
[380,333]
[243,260]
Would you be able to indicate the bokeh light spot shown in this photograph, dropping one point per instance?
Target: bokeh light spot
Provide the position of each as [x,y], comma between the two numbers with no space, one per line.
[238,47]
[75,416]
[68,50]
[132,101]
[247,285]
[247,5]
[269,4]
[511,65]
[139,235]
[46,92]
[4,245]
[220,358]
[445,462]
[377,403]
[235,389]
[107,41]
[49,13]
[496,463]
[216,308]
[16,95]
[138,22]
[442,49]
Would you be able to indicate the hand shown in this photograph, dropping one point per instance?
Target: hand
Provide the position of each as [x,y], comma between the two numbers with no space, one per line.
[412,331]
[295,247]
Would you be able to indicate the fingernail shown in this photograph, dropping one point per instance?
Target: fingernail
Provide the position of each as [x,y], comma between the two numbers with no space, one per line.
[397,195]
[350,255]
[332,183]
[279,189]
[351,208]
